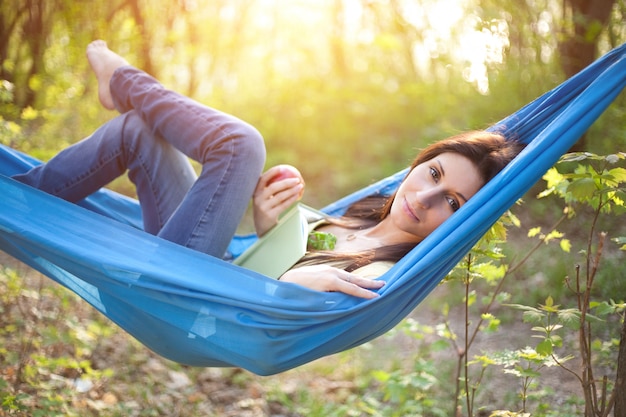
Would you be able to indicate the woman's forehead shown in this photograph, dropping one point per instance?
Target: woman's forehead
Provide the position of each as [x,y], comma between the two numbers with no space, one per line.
[459,172]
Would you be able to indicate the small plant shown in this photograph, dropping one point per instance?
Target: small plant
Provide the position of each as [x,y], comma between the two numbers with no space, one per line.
[600,186]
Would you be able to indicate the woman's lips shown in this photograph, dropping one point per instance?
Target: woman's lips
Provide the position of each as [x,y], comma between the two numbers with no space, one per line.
[408,210]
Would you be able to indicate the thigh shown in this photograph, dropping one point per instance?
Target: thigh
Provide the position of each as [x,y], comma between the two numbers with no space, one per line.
[212,209]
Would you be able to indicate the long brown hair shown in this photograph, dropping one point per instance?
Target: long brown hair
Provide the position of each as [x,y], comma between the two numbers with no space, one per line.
[488,151]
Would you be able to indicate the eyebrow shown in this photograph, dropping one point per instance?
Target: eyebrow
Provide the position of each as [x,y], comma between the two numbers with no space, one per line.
[443,174]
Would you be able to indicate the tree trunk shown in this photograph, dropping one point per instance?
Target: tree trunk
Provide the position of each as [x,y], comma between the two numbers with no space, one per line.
[620,380]
[36,31]
[588,19]
[144,43]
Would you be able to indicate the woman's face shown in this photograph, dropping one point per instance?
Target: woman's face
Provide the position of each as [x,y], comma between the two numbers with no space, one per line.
[430,194]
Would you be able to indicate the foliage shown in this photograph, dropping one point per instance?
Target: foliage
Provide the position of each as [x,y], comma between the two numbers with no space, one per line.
[379,81]
[347,95]
[53,381]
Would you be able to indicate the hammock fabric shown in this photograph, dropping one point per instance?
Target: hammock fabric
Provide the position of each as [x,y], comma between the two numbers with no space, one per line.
[202,311]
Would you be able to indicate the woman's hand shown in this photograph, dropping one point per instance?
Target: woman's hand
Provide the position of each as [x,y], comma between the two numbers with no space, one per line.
[330,279]
[278,188]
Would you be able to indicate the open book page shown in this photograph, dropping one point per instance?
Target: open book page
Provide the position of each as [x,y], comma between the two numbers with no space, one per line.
[283,245]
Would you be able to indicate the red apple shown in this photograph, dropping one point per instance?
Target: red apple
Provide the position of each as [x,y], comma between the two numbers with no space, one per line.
[286,171]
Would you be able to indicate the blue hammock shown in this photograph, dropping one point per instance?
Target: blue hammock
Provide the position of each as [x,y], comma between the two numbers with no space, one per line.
[202,311]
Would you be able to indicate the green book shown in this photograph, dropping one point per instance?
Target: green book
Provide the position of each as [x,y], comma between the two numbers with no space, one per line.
[283,245]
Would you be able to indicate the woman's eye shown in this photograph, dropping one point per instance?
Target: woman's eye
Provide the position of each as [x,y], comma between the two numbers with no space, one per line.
[453,204]
[434,173]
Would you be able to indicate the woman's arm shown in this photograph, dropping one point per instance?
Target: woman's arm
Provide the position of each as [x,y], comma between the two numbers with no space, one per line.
[330,279]
[278,188]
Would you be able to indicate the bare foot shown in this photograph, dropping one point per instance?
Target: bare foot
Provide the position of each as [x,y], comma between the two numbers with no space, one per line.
[104,62]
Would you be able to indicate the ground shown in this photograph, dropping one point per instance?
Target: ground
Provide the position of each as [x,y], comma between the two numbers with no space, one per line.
[142,383]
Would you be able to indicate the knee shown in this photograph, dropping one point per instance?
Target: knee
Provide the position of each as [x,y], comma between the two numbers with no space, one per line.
[252,144]
[239,140]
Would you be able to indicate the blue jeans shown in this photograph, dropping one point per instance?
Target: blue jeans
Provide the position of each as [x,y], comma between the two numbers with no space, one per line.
[153,138]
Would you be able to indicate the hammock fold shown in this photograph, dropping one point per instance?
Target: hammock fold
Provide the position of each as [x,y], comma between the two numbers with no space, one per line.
[202,311]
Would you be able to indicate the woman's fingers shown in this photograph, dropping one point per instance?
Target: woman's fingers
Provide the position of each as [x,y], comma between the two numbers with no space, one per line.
[278,188]
[275,199]
[359,287]
[281,191]
[327,278]
[279,173]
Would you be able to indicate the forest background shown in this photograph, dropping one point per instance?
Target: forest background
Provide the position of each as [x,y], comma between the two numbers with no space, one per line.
[346,90]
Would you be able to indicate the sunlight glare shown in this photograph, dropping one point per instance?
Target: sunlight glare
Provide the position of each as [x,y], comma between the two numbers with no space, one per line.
[449,29]
[446,29]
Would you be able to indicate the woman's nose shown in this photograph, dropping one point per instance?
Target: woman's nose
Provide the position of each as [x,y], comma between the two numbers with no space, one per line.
[424,198]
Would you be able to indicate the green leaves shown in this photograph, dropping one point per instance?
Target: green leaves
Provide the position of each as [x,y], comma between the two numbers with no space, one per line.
[605,308]
[564,243]
[582,189]
[544,348]
[550,318]
[620,241]
[593,182]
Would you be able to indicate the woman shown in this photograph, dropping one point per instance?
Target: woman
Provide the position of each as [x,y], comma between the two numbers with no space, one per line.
[158,130]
